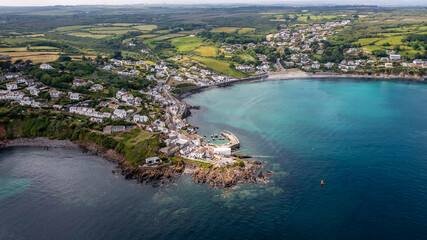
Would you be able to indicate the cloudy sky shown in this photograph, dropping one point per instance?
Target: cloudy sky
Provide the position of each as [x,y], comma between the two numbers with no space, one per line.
[120,2]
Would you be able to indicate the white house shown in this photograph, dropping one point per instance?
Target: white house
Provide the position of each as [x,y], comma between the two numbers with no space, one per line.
[120,113]
[34,91]
[54,93]
[74,96]
[395,57]
[222,151]
[97,87]
[46,66]
[78,82]
[329,65]
[10,76]
[139,118]
[15,96]
[418,62]
[11,86]
[120,93]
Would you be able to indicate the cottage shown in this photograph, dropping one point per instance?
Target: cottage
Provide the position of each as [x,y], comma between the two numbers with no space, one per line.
[352,51]
[15,96]
[74,96]
[201,152]
[96,120]
[54,93]
[96,87]
[108,68]
[113,129]
[79,82]
[120,113]
[12,86]
[139,118]
[34,91]
[329,65]
[46,66]
[418,62]
[11,76]
[57,106]
[395,57]
[120,93]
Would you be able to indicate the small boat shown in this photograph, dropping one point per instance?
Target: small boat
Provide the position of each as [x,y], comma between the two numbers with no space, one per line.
[321,182]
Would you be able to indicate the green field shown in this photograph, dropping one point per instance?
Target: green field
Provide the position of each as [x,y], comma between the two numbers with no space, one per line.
[145,27]
[184,44]
[207,51]
[367,41]
[146,36]
[24,49]
[99,31]
[162,31]
[371,48]
[220,66]
[395,40]
[303,17]
[245,30]
[109,32]
[89,35]
[225,29]
[167,36]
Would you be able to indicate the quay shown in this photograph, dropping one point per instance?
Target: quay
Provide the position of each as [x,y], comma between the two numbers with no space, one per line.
[233,143]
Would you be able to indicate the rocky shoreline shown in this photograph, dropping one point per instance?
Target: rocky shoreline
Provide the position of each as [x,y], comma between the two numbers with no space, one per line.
[214,177]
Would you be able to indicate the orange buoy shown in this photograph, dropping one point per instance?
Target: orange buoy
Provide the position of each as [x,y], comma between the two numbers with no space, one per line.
[321,182]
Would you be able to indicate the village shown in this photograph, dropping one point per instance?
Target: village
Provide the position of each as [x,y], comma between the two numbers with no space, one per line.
[157,110]
[184,143]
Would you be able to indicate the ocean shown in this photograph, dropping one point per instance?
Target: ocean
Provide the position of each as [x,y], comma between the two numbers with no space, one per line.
[367,140]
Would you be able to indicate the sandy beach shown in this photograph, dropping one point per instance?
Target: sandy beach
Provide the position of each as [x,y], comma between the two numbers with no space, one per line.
[297,74]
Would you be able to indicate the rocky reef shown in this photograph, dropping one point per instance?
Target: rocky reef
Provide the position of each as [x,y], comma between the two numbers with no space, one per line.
[228,177]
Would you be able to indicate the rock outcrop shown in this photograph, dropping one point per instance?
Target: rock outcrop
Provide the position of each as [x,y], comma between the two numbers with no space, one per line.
[228,177]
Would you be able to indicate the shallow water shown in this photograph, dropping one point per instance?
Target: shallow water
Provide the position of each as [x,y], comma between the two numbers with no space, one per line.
[367,140]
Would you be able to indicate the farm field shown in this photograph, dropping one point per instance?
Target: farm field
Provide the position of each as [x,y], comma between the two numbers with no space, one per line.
[184,44]
[146,36]
[220,66]
[88,35]
[24,49]
[145,27]
[394,40]
[367,41]
[35,57]
[102,30]
[207,51]
[245,30]
[167,36]
[225,29]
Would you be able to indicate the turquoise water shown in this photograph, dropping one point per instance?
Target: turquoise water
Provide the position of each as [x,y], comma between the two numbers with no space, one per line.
[367,140]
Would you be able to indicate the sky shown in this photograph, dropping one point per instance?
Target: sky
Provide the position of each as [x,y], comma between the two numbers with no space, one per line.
[121,2]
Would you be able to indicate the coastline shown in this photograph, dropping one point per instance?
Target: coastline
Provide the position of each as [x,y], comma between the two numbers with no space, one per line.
[38,142]
[293,74]
[215,177]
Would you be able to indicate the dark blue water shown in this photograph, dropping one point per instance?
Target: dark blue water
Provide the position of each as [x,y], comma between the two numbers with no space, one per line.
[367,140]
